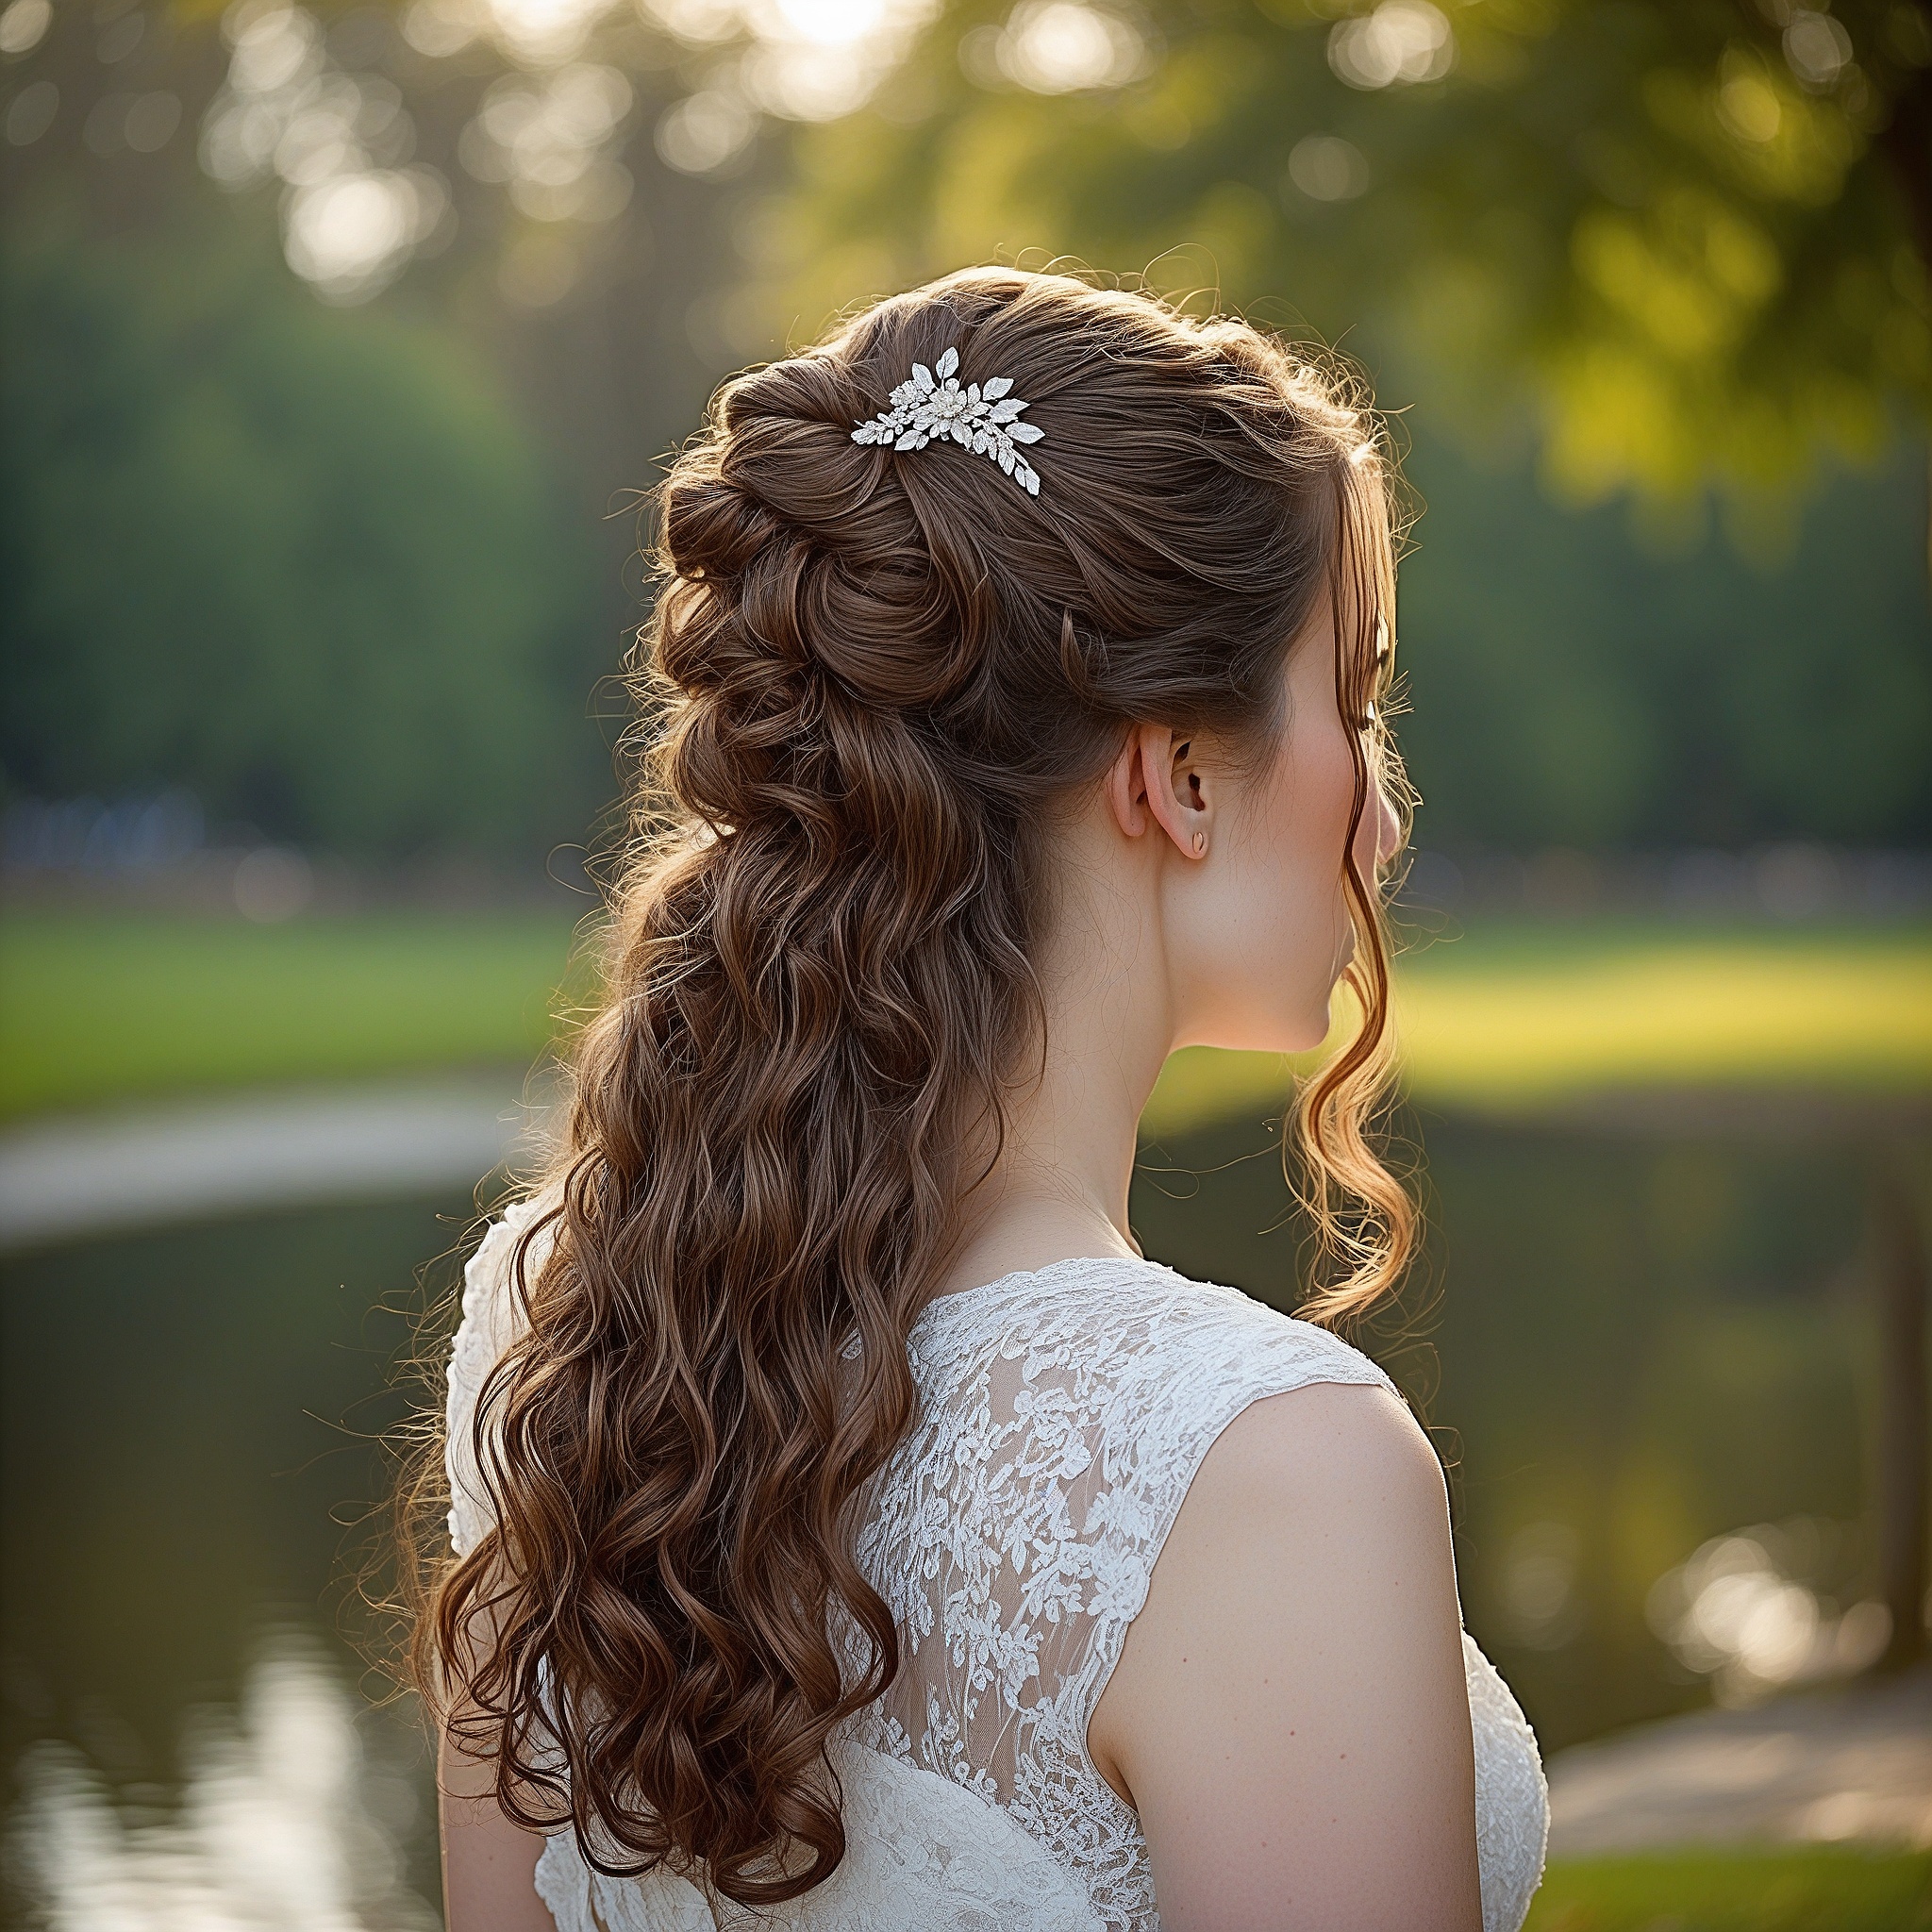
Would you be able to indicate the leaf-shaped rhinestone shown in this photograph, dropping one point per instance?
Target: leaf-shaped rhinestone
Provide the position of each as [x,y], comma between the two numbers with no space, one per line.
[983,418]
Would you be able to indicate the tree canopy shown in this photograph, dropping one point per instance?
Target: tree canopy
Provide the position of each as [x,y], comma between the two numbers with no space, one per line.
[322,561]
[302,562]
[1681,241]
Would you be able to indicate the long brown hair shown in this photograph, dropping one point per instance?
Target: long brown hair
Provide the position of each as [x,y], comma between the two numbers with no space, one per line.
[863,674]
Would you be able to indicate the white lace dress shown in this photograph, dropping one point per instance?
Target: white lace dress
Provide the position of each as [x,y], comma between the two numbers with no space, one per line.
[1063,1414]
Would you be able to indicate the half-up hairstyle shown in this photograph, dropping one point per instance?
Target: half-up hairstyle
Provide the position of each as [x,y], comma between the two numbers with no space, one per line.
[864,674]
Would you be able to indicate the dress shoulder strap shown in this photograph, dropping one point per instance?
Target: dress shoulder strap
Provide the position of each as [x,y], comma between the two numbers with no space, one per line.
[1188,1357]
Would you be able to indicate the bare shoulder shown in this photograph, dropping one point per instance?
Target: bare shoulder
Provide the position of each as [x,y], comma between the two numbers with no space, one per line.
[1291,1701]
[1327,1497]
[1331,1445]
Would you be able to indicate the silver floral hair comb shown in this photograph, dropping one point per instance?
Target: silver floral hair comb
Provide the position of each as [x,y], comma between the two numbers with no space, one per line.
[981,417]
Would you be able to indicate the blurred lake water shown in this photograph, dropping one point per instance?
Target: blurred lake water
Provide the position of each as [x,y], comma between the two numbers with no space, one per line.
[189,1457]
[1647,1367]
[1645,1350]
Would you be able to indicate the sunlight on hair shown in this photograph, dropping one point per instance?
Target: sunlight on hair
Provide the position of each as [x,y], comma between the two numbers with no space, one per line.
[282,1822]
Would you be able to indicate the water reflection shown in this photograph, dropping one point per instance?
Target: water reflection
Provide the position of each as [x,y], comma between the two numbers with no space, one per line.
[1742,1610]
[186,1464]
[285,1818]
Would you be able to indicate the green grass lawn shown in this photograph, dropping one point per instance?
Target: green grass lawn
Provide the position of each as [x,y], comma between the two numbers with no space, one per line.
[108,1006]
[1801,1891]
[98,1007]
[1515,1015]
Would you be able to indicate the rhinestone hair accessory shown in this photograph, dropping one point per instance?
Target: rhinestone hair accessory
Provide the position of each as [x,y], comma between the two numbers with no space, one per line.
[982,417]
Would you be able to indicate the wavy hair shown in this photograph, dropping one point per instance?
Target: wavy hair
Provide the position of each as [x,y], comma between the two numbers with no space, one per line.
[863,674]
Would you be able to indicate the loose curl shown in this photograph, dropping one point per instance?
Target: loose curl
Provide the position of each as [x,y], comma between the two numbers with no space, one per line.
[865,674]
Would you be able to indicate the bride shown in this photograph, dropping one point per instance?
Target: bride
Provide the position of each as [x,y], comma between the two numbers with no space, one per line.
[852,1528]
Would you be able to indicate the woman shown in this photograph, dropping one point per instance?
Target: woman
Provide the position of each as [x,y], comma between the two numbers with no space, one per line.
[813,1434]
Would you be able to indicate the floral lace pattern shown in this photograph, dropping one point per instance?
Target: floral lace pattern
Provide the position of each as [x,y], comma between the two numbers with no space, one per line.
[1512,1802]
[1013,1534]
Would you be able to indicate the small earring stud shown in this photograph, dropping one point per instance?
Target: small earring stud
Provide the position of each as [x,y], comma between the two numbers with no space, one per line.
[1200,842]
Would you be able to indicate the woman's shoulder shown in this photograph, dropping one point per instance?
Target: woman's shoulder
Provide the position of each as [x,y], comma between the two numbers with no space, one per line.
[1073,1408]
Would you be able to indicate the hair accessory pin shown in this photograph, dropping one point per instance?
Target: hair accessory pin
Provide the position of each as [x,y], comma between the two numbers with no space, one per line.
[982,417]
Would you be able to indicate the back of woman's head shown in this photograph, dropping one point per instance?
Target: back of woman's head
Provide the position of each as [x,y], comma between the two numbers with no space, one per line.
[869,674]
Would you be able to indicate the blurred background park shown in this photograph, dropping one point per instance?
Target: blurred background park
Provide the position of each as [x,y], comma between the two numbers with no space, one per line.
[339,340]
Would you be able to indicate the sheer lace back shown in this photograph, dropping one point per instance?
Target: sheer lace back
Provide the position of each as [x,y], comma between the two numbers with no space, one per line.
[1014,1533]
[1063,1414]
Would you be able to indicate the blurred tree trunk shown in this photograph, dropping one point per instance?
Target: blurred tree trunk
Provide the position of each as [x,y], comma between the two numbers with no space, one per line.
[1899,1257]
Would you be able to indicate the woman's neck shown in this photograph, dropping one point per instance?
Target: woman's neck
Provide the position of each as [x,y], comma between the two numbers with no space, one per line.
[1059,1187]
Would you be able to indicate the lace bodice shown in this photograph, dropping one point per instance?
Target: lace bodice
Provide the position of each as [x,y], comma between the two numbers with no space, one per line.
[1013,1534]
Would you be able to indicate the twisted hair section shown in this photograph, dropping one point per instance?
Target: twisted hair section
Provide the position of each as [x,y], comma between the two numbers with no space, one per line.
[866,675]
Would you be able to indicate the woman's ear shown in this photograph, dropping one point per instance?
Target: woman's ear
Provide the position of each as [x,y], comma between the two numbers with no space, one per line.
[1155,780]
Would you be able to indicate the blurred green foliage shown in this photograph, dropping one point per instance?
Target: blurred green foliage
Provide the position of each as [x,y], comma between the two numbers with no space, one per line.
[1686,239]
[304,562]
[1668,248]
[1571,685]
